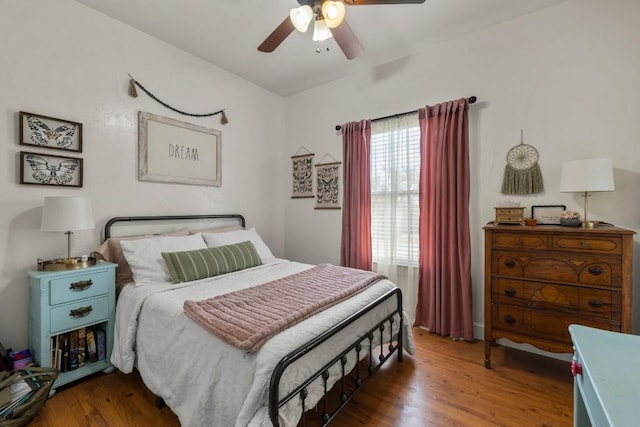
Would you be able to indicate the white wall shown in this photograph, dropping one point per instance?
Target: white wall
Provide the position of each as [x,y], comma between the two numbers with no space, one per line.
[568,75]
[64,60]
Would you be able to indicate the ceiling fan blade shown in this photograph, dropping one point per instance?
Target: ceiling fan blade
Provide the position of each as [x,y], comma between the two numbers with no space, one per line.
[278,35]
[347,40]
[370,2]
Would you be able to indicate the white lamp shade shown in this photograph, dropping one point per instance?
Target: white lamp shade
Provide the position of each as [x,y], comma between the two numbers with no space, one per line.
[587,175]
[301,17]
[333,12]
[320,31]
[67,214]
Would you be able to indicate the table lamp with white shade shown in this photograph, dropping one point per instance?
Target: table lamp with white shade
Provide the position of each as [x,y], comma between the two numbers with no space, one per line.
[587,176]
[67,214]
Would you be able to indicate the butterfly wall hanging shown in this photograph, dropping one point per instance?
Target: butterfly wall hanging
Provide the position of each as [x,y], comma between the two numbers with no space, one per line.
[50,132]
[46,169]
[328,184]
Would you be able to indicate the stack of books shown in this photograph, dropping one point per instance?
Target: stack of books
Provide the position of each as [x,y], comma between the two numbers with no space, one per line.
[71,350]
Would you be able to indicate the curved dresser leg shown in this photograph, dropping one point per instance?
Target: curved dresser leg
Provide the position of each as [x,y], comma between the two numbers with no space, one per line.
[487,354]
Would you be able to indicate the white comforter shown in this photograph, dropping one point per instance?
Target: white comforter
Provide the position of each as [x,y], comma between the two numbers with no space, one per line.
[207,382]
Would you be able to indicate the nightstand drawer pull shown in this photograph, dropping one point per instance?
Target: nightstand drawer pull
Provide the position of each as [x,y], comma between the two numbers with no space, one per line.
[576,368]
[510,263]
[510,292]
[81,312]
[595,303]
[509,319]
[81,286]
[595,270]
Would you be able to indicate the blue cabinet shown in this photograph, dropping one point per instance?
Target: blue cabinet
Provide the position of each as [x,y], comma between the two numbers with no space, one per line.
[64,302]
[606,386]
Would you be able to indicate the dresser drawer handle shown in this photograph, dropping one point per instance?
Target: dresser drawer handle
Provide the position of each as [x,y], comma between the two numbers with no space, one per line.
[510,263]
[596,271]
[510,292]
[595,303]
[584,244]
[509,319]
[519,240]
[81,312]
[81,286]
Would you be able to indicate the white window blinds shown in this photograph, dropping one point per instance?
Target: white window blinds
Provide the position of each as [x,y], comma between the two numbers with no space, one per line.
[395,172]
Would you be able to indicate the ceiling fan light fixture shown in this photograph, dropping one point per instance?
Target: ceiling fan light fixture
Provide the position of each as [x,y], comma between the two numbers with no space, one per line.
[333,12]
[321,31]
[301,17]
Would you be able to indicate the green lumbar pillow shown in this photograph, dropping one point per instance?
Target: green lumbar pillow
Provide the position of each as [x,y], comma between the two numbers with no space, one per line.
[199,264]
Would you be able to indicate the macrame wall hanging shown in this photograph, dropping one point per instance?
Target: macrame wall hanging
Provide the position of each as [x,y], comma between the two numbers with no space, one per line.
[522,174]
[134,94]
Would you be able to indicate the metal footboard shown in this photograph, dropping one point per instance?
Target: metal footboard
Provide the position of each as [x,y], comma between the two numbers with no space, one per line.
[345,391]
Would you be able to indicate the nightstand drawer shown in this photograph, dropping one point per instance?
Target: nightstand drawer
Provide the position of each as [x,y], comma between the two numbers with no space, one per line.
[80,286]
[79,314]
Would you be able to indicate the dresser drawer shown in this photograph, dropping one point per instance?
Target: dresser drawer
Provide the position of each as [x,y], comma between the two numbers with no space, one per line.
[78,314]
[609,245]
[87,285]
[519,241]
[587,269]
[550,296]
[542,324]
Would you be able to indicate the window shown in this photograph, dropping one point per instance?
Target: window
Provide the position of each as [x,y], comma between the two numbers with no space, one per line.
[395,173]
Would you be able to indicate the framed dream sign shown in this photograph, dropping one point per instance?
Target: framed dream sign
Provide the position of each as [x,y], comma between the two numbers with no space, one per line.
[173,151]
[50,132]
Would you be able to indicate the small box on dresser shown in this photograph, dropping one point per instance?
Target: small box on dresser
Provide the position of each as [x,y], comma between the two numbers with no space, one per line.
[64,302]
[539,280]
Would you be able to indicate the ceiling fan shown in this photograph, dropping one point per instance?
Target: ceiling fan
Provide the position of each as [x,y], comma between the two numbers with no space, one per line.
[328,21]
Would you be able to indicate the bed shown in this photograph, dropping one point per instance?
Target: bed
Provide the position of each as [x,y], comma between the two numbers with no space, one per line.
[206,380]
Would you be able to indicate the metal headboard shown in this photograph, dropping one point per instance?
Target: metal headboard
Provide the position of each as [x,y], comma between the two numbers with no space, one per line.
[112,221]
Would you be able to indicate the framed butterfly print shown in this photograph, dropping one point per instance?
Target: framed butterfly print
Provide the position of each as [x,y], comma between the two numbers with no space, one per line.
[328,186]
[47,169]
[49,132]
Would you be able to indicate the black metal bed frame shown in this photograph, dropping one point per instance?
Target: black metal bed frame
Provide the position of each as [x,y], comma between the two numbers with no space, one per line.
[346,391]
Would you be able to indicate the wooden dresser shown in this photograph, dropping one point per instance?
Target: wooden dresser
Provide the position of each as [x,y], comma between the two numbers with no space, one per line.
[539,280]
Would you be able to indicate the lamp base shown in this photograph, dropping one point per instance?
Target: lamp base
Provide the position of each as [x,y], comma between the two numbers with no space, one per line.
[591,224]
[66,263]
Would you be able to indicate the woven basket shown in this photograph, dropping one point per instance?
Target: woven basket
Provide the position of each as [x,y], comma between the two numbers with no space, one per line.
[25,412]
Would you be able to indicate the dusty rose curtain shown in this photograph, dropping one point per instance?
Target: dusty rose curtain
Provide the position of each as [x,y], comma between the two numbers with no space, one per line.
[444,289]
[355,248]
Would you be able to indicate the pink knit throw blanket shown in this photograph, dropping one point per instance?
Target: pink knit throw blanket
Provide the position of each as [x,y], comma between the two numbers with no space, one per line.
[249,317]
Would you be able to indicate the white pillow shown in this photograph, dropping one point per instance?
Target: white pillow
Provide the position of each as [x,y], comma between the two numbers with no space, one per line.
[239,236]
[145,256]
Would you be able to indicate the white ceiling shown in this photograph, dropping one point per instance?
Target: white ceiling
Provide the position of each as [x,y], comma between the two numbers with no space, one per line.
[227,33]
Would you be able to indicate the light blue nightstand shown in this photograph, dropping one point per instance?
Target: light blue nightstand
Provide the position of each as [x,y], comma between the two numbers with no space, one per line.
[606,385]
[65,301]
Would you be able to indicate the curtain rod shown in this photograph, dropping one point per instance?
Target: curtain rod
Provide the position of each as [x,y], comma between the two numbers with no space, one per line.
[472,100]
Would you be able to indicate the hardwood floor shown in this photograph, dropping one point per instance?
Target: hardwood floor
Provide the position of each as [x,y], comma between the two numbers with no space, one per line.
[444,384]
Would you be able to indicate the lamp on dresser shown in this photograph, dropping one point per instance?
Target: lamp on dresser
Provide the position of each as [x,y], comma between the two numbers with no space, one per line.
[66,214]
[587,176]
